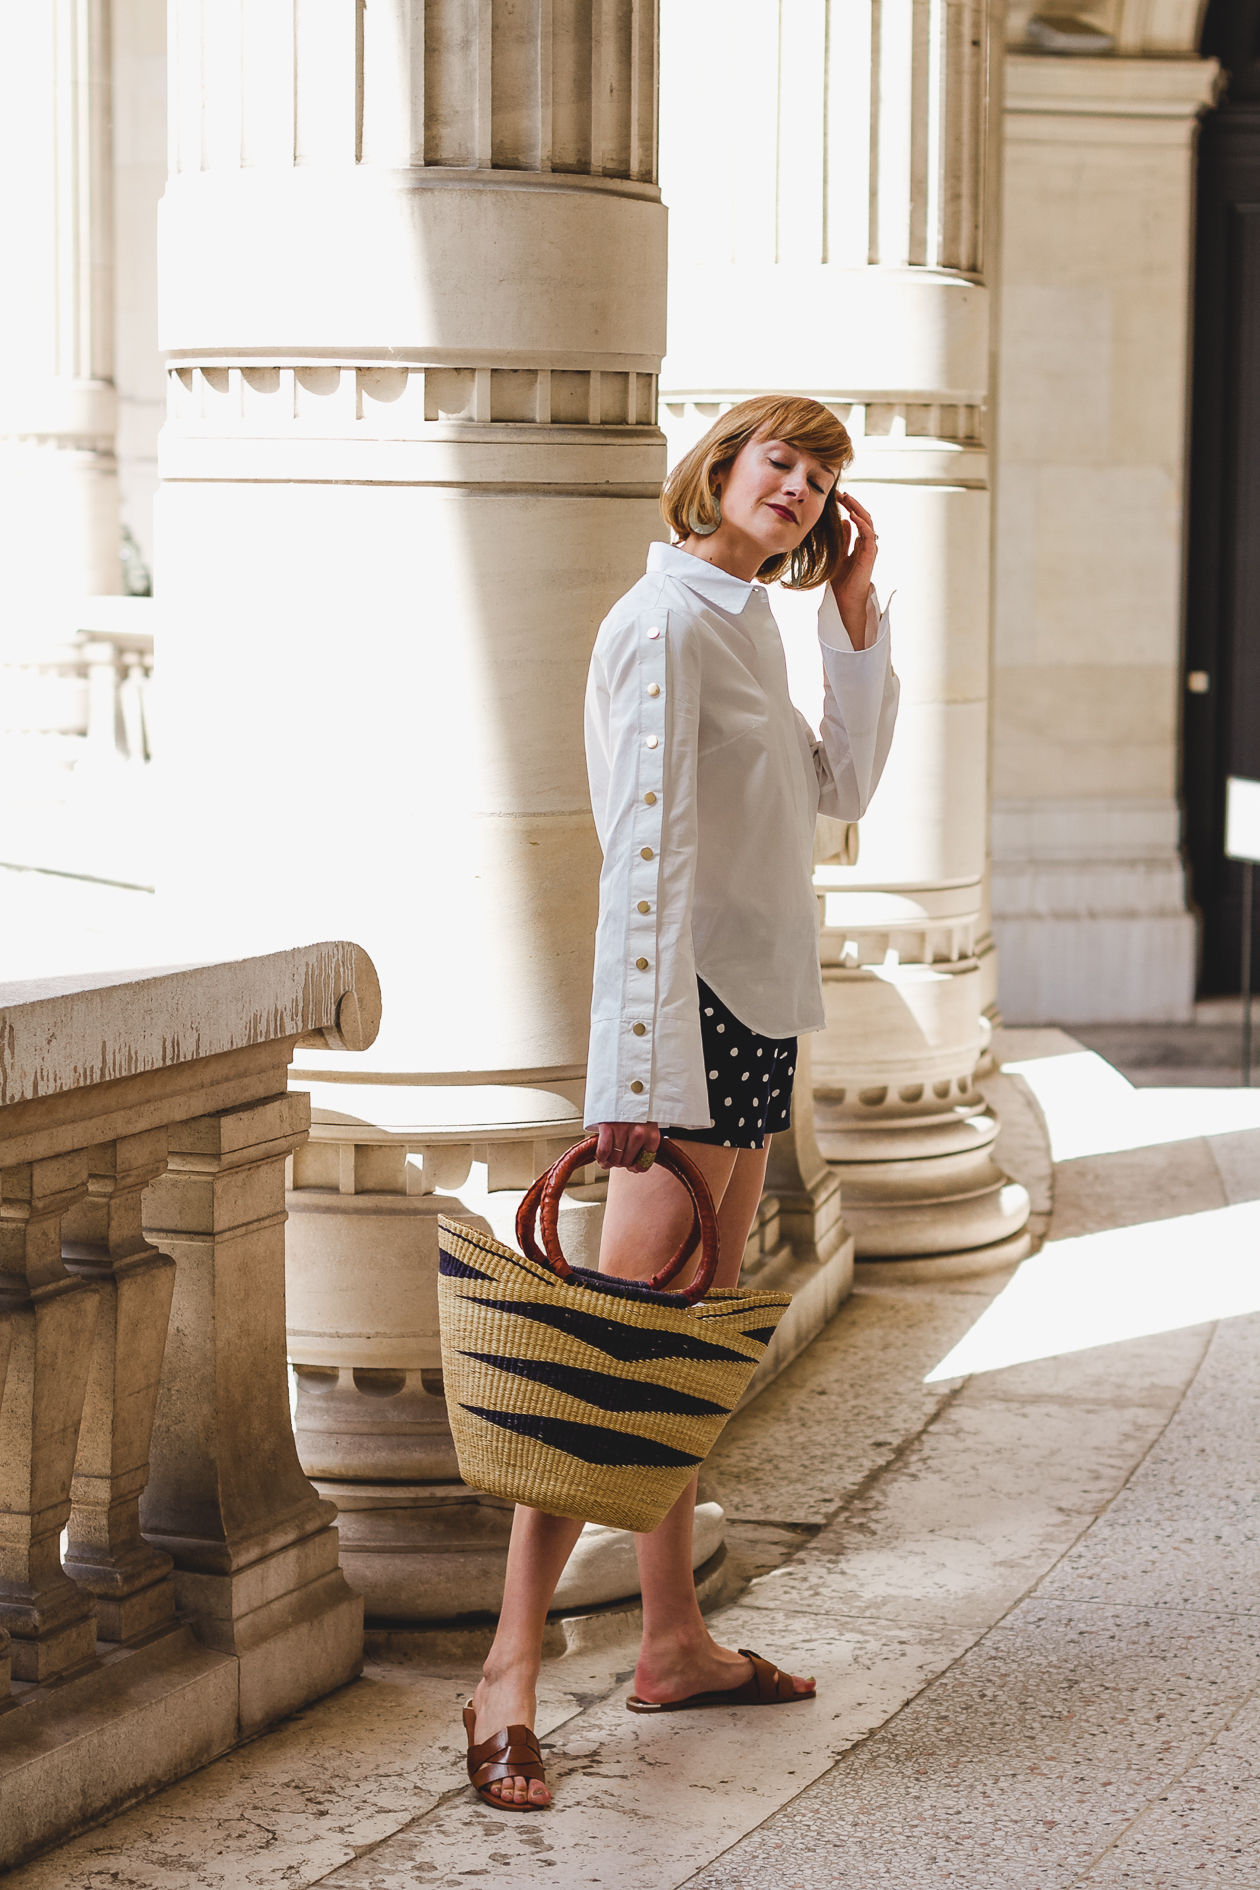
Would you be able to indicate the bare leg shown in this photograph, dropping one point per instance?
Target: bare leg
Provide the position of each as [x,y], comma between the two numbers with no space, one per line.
[678,1655]
[647,1216]
[539,1549]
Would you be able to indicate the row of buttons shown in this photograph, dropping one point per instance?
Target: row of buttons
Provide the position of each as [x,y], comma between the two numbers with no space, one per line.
[651,740]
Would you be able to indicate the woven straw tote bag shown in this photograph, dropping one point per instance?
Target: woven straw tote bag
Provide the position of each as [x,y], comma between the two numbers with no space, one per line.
[579,1393]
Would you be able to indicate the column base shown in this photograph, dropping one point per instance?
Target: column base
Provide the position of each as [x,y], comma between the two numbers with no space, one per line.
[438,1552]
[920,1186]
[291,1620]
[135,1593]
[379,1424]
[132,1617]
[50,1635]
[818,1292]
[969,1263]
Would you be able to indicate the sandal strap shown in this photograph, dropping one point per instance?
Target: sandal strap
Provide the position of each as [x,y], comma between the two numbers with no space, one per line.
[494,1770]
[772,1687]
[512,1753]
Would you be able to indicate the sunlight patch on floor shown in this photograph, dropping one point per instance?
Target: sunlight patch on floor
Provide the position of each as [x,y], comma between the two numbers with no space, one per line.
[1090,1109]
[1125,1283]
[1121,1283]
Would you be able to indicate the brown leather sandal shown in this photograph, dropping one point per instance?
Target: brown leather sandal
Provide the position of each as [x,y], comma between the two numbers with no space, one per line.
[765,1687]
[512,1753]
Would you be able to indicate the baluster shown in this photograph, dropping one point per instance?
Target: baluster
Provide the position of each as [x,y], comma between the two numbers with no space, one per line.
[51,1317]
[255,1552]
[102,1242]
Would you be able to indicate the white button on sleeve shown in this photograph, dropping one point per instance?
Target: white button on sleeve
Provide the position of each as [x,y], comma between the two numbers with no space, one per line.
[705,785]
[641,760]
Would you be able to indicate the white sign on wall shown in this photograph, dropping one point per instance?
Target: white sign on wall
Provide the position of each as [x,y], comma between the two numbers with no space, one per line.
[1242,818]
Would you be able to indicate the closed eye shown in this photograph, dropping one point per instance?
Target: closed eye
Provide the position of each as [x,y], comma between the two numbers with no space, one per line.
[781,465]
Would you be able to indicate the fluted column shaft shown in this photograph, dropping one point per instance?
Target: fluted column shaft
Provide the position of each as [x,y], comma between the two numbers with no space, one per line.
[837,249]
[59,529]
[413,303]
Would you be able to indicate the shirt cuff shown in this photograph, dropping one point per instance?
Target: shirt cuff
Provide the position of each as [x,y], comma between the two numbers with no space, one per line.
[832,633]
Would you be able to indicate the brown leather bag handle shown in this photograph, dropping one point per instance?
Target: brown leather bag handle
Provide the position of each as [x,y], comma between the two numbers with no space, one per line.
[543,1202]
[530,1207]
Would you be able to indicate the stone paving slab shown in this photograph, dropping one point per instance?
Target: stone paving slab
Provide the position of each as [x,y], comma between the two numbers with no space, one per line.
[1090,1736]
[840,1413]
[1204,1830]
[646,1801]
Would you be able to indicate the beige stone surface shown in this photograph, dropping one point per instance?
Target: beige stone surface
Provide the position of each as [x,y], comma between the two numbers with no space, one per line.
[1103,1732]
[1098,168]
[1096,731]
[73,1032]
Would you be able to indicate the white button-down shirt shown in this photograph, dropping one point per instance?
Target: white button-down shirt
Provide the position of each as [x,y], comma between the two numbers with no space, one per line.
[706,784]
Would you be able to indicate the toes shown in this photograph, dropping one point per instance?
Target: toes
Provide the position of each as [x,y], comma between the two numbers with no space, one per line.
[803,1686]
[520,1791]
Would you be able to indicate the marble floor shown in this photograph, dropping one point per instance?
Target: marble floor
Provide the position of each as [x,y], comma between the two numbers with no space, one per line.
[1010,1523]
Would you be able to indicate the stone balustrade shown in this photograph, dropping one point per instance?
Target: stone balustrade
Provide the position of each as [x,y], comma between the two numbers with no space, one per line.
[169,1579]
[75,684]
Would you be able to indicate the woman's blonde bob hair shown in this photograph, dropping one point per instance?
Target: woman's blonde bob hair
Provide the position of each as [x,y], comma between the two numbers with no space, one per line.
[688,492]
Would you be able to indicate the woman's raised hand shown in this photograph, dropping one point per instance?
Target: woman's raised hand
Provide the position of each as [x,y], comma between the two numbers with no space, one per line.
[852,582]
[626,1144]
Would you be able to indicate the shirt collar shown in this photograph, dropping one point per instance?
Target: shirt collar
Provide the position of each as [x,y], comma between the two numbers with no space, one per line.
[718,587]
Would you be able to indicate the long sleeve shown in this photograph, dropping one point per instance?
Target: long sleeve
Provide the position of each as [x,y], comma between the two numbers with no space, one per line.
[860,698]
[645,1061]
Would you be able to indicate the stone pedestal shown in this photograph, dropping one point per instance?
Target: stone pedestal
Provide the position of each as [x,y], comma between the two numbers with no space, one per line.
[866,205]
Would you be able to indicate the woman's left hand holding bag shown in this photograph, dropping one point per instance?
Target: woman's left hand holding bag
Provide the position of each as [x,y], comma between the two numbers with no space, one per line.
[627,1145]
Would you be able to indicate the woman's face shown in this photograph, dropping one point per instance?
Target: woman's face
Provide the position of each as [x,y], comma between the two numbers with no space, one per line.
[774,494]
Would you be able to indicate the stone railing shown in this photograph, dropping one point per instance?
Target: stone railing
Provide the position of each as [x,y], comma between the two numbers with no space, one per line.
[76,687]
[169,1579]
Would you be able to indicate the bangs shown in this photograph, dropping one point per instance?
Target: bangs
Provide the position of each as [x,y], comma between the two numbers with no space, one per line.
[805,424]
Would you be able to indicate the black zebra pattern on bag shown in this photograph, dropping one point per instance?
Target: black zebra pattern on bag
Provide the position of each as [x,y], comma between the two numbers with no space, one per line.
[623,1341]
[603,1390]
[591,1442]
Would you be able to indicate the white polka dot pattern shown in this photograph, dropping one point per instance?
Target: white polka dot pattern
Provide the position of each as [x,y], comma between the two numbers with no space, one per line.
[766,1110]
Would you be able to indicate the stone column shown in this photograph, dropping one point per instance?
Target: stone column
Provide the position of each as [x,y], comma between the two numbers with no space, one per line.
[1090,906]
[838,249]
[254,1547]
[59,526]
[412,276]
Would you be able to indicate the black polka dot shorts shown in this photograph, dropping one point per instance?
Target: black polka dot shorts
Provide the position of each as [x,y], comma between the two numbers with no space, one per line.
[750,1079]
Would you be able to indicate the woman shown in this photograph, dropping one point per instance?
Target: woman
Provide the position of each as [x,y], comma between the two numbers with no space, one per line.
[706,785]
